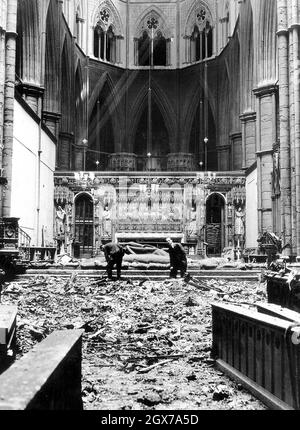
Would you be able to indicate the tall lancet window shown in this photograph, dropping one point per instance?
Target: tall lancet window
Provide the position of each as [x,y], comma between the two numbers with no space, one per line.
[152,47]
[144,48]
[106,40]
[159,50]
[199,41]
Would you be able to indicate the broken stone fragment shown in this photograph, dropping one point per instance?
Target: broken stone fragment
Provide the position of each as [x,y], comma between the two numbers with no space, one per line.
[150,399]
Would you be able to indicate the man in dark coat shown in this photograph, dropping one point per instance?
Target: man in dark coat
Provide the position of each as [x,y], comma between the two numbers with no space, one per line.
[114,255]
[178,260]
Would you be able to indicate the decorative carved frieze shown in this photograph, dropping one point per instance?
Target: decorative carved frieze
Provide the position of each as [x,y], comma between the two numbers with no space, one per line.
[181,162]
[122,161]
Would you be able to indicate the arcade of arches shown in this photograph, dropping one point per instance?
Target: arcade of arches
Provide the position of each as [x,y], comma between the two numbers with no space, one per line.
[151,119]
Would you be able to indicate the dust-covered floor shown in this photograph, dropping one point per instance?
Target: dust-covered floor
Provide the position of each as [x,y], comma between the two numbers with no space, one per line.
[146,345]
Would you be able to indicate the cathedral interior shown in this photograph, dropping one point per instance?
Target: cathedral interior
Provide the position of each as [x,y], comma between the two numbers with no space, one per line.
[133,120]
[162,138]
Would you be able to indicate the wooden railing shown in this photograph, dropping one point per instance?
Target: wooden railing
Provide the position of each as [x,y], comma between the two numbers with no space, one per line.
[260,351]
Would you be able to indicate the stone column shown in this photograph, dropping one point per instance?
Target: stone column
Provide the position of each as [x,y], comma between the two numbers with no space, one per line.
[224,157]
[296,89]
[236,151]
[285,150]
[248,120]
[64,150]
[9,92]
[266,139]
[78,157]
[2,82]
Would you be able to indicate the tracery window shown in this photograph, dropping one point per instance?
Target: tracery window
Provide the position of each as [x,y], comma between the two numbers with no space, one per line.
[152,47]
[199,43]
[106,41]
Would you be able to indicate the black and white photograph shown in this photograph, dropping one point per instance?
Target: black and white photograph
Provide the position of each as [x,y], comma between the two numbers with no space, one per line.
[149,208]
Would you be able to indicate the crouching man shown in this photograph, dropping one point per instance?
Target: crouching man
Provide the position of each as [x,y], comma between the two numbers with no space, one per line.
[178,260]
[114,255]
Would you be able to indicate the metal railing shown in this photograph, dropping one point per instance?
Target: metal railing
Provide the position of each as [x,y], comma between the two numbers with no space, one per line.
[24,244]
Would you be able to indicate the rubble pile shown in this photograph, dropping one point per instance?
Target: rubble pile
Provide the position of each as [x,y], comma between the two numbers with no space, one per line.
[146,344]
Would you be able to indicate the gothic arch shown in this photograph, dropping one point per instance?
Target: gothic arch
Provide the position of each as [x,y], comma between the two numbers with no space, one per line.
[266,41]
[113,20]
[192,17]
[29,41]
[66,89]
[193,106]
[155,13]
[165,108]
[112,110]
[79,104]
[115,98]
[245,31]
[52,62]
[81,7]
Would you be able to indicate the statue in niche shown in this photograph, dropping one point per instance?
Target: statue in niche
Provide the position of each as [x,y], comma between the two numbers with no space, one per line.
[106,219]
[60,227]
[60,220]
[192,224]
[239,227]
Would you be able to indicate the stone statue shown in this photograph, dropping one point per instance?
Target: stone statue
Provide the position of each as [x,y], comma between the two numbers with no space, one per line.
[106,222]
[60,220]
[239,228]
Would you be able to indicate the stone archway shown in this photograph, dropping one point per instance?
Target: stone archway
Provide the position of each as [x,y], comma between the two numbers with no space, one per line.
[215,224]
[84,225]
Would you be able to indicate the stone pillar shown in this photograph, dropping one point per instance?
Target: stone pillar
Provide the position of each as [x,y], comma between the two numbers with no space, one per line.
[9,92]
[32,94]
[224,157]
[236,151]
[296,89]
[266,139]
[65,151]
[285,150]
[248,120]
[78,157]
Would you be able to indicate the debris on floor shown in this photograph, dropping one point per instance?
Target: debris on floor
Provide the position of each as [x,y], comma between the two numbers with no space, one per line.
[146,344]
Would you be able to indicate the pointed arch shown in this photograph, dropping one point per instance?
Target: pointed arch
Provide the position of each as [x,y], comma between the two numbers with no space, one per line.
[114,99]
[194,123]
[104,116]
[28,66]
[164,105]
[79,104]
[192,16]
[52,61]
[245,32]
[114,18]
[193,105]
[66,89]
[266,42]
[153,12]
